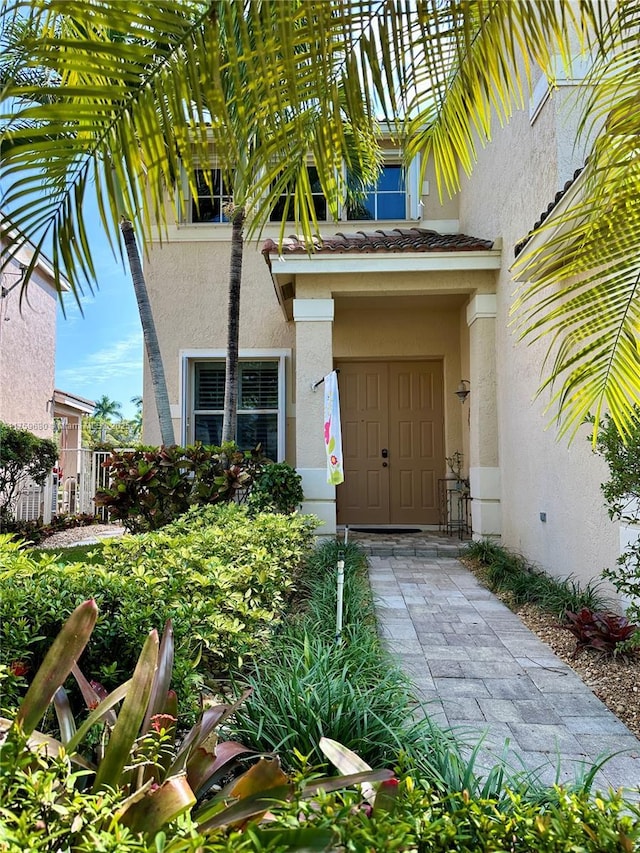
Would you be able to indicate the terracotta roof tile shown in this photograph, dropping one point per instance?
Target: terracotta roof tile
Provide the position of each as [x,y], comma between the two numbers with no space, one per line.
[545,213]
[394,240]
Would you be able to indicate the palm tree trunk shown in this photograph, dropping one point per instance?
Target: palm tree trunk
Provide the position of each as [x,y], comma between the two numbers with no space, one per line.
[230,415]
[149,333]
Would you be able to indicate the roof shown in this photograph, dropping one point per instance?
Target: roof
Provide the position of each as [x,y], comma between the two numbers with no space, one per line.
[368,242]
[73,401]
[550,207]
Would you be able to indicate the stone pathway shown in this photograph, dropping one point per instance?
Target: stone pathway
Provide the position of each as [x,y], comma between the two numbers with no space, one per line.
[481,669]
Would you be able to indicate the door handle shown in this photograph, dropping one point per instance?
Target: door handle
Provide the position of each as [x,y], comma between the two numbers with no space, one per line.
[384,452]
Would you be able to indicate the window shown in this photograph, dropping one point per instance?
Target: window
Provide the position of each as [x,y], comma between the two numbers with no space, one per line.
[260,400]
[211,197]
[386,200]
[319,201]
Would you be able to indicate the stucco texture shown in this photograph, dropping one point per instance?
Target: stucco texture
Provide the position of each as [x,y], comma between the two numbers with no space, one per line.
[27,354]
[515,179]
[188,284]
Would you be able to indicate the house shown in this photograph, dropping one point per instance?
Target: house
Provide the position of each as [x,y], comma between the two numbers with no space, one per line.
[411,306]
[76,481]
[28,344]
[28,399]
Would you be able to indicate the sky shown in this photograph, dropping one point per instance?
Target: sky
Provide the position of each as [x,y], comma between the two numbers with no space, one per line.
[102,351]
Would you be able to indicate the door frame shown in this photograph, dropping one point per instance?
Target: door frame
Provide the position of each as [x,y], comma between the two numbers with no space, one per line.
[440,439]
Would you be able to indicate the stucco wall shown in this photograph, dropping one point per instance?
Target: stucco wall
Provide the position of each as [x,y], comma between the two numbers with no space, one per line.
[516,178]
[188,283]
[27,355]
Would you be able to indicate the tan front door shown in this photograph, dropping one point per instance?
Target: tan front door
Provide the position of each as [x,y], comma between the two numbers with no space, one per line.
[392,434]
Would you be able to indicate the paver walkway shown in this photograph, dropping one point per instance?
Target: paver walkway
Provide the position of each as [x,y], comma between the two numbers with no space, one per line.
[479,667]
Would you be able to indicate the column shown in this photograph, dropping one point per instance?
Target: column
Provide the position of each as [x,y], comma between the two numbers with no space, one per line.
[484,469]
[314,359]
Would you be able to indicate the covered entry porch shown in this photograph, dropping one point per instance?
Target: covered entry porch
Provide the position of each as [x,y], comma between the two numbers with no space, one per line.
[403,328]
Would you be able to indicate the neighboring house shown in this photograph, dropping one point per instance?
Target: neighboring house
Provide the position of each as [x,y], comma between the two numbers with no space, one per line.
[28,344]
[75,462]
[28,399]
[406,305]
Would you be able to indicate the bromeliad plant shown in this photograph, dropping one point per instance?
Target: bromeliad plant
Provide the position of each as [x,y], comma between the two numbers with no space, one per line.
[138,754]
[604,632]
[156,778]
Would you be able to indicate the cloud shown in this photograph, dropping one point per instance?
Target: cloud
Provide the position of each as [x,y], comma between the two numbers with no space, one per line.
[122,358]
[72,313]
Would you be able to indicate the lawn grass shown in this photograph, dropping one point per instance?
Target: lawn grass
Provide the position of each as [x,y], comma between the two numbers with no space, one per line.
[75,554]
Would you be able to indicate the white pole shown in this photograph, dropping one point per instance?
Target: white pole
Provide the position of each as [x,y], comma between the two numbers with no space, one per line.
[339,597]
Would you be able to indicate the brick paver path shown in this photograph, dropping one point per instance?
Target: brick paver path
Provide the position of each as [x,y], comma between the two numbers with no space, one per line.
[480,668]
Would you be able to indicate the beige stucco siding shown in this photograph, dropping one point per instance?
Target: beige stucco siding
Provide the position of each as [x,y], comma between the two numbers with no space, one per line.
[188,283]
[516,178]
[27,355]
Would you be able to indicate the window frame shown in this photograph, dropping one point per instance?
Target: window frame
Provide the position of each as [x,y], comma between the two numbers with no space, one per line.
[222,197]
[392,157]
[190,358]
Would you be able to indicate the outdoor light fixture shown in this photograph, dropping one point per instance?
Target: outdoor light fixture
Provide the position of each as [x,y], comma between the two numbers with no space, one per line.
[463,390]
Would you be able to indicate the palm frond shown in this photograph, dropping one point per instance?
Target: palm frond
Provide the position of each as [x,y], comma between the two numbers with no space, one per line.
[582,271]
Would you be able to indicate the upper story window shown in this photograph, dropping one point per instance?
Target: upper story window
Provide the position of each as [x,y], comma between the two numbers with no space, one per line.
[395,196]
[319,201]
[213,194]
[386,200]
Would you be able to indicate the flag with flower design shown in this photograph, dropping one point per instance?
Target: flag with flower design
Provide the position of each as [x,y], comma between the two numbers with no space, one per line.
[332,429]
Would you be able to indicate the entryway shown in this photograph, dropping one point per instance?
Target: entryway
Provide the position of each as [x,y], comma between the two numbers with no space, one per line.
[393,441]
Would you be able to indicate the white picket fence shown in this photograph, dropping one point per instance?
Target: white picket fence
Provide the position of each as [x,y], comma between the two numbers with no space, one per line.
[70,489]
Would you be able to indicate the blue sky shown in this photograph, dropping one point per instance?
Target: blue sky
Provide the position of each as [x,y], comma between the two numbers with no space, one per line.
[102,351]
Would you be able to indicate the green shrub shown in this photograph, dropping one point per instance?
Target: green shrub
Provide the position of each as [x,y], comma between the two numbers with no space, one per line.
[221,576]
[277,488]
[24,457]
[151,486]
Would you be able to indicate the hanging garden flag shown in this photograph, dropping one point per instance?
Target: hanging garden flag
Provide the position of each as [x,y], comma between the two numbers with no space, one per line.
[332,430]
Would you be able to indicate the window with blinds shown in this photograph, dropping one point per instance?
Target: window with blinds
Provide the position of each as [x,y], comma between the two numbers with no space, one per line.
[258,404]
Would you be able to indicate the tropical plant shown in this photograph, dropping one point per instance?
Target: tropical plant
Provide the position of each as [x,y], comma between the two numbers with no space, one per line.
[151,343]
[23,457]
[105,409]
[604,632]
[157,776]
[150,487]
[187,76]
[278,487]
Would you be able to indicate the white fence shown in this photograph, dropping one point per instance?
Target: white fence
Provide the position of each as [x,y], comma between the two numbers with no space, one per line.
[70,489]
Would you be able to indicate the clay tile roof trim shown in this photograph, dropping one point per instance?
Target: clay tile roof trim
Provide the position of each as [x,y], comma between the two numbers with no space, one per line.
[550,207]
[381,240]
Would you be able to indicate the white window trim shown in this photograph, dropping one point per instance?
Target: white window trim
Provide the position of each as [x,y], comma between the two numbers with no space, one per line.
[187,390]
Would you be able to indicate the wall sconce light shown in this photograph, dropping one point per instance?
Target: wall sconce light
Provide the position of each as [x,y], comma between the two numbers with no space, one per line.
[463,390]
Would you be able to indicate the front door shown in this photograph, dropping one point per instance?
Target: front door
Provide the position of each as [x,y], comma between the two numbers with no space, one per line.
[393,443]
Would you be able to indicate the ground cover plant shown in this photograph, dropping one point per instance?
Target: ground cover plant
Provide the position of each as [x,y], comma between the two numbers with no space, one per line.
[511,573]
[221,576]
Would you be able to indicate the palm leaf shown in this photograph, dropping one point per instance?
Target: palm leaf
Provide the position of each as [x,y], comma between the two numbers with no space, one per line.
[581,273]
